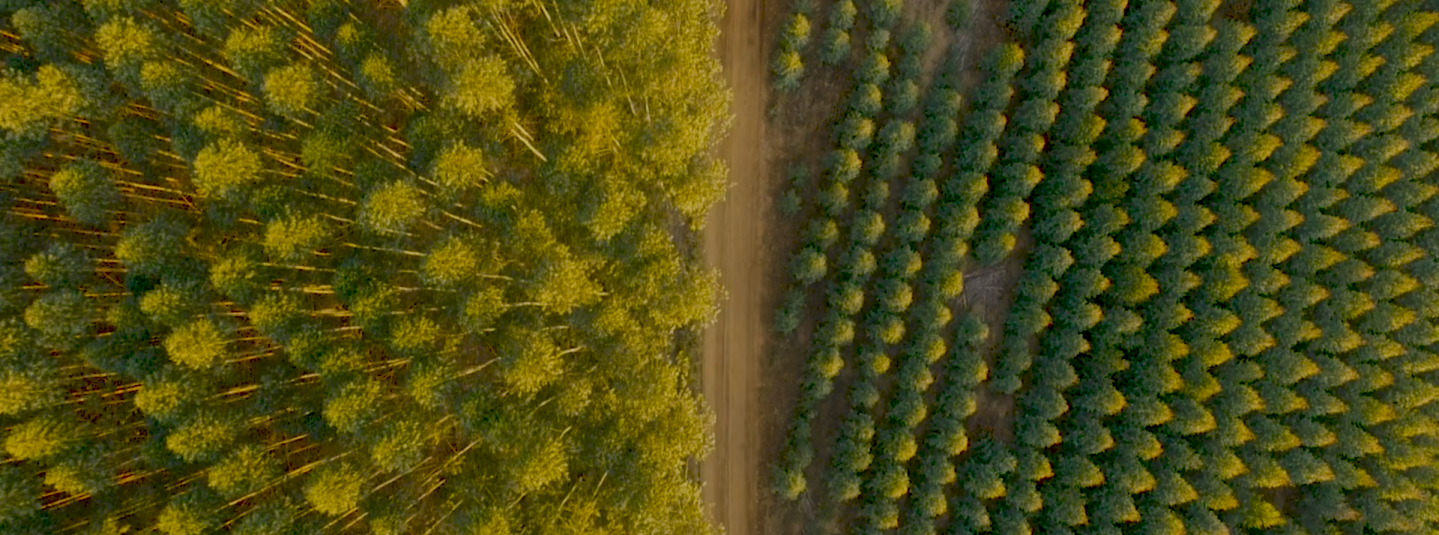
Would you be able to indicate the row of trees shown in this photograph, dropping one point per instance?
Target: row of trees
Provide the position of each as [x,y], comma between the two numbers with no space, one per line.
[1225,295]
[892,294]
[1198,320]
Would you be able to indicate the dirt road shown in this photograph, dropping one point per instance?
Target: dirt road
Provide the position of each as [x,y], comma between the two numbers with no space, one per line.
[734,242]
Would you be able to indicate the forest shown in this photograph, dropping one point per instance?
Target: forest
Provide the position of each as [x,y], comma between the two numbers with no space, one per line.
[322,266]
[1221,219]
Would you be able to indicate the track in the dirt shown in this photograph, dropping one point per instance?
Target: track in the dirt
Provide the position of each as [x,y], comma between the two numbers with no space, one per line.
[734,242]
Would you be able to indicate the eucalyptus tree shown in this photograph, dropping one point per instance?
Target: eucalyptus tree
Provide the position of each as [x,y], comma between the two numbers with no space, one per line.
[273,258]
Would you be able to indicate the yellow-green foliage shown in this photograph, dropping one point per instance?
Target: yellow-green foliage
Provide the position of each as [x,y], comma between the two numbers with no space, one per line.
[282,266]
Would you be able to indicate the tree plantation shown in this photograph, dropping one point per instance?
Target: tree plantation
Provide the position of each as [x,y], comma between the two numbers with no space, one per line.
[1221,220]
[312,266]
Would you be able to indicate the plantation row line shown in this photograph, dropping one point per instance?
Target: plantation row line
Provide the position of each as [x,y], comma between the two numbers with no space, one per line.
[1233,289]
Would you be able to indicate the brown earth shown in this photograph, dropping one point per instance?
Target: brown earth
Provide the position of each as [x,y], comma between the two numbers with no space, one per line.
[734,242]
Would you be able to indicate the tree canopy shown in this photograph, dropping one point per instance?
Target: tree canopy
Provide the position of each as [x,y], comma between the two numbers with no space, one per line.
[276,266]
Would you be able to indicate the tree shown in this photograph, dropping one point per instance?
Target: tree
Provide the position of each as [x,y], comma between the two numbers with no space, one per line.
[377,75]
[884,13]
[295,237]
[335,488]
[957,14]
[255,51]
[795,34]
[20,493]
[393,207]
[481,86]
[168,86]
[809,266]
[842,14]
[866,99]
[904,95]
[199,344]
[983,474]
[453,261]
[60,265]
[202,436]
[190,513]
[564,283]
[271,517]
[85,191]
[788,68]
[42,437]
[459,168]
[293,90]
[1260,514]
[834,45]
[60,317]
[227,169]
[126,44]
[242,471]
[848,298]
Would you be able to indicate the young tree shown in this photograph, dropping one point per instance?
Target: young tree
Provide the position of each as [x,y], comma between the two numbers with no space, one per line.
[293,90]
[60,317]
[85,191]
[293,238]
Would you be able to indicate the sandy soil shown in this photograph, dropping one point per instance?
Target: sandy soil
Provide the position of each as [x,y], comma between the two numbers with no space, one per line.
[735,239]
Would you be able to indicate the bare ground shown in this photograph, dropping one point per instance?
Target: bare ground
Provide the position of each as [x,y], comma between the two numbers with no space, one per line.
[734,242]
